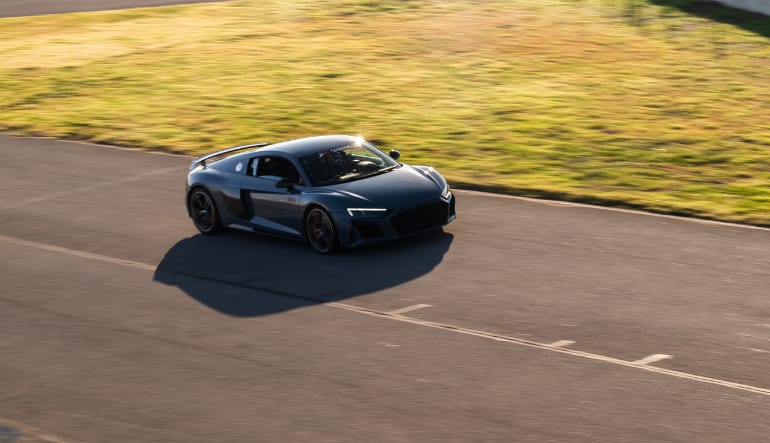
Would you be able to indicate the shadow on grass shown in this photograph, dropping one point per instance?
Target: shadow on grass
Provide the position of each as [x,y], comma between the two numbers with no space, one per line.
[750,21]
[248,275]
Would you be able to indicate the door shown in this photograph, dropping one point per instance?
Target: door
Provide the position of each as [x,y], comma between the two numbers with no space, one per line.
[272,209]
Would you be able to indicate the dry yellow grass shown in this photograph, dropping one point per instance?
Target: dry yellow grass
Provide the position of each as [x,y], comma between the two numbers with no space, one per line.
[583,100]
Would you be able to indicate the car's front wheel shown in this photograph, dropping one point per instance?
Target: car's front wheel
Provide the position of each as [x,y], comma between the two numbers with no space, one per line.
[203,211]
[320,232]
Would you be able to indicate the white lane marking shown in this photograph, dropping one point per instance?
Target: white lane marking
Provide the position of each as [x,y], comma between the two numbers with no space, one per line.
[611,209]
[77,253]
[122,148]
[464,191]
[561,343]
[408,309]
[533,344]
[652,359]
[754,349]
[436,325]
[88,187]
[30,431]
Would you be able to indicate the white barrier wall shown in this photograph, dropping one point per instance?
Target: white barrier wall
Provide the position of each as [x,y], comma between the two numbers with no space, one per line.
[761,6]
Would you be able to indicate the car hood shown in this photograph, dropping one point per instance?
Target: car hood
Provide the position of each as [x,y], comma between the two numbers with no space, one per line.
[400,187]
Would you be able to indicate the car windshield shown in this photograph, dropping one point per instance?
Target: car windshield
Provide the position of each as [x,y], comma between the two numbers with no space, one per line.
[346,163]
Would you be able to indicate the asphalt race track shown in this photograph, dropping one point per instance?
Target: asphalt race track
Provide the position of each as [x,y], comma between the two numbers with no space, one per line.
[17,8]
[525,321]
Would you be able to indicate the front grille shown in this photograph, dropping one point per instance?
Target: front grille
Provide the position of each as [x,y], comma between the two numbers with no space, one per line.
[421,218]
[368,229]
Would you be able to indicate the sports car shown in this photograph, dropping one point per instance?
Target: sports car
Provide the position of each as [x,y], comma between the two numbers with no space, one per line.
[334,191]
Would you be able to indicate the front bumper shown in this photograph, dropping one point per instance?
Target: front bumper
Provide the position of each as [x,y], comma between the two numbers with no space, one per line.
[404,222]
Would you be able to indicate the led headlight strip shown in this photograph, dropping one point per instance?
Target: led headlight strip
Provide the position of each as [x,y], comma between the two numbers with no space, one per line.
[364,212]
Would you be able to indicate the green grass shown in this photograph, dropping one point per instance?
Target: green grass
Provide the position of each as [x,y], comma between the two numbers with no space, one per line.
[618,102]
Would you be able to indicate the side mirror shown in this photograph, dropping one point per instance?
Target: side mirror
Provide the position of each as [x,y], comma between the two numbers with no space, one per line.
[394,154]
[286,183]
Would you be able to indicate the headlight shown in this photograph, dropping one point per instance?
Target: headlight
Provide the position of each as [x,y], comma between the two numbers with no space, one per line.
[366,212]
[445,193]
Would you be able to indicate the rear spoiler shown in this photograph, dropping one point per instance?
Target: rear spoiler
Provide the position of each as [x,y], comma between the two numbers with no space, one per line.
[219,155]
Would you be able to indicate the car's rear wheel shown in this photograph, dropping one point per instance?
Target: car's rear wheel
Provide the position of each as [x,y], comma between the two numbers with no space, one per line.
[203,211]
[320,232]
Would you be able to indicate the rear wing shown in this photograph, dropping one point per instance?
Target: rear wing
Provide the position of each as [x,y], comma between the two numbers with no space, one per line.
[223,153]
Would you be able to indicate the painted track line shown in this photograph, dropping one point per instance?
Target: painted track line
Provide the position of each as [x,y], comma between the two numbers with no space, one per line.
[652,359]
[547,347]
[77,253]
[426,323]
[560,203]
[541,201]
[561,343]
[90,187]
[408,309]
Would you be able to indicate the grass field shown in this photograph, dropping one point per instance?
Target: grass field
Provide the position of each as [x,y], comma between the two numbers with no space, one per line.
[618,102]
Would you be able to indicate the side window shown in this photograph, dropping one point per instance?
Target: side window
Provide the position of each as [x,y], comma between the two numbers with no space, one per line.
[274,168]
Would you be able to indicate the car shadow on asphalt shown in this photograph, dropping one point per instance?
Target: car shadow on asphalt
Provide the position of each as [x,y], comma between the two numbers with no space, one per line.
[247,275]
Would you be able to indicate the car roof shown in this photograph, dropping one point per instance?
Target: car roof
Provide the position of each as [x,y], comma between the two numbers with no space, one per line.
[306,146]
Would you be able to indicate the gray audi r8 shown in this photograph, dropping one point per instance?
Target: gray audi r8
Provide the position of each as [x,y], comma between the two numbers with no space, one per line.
[333,190]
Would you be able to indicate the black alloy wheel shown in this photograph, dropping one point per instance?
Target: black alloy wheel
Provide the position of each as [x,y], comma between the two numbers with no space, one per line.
[320,232]
[204,212]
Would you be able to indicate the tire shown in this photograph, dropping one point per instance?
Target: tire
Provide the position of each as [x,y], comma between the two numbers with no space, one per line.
[320,231]
[203,211]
